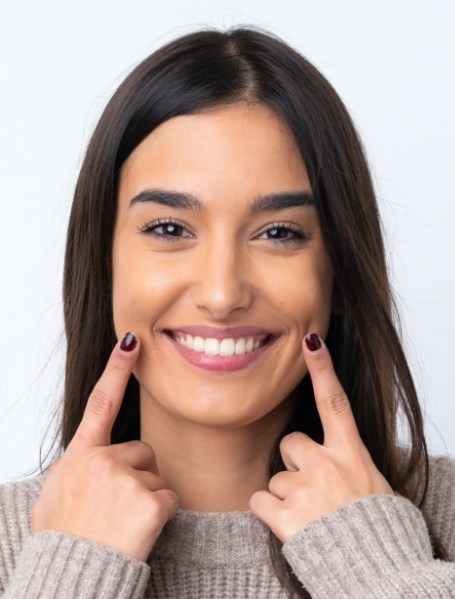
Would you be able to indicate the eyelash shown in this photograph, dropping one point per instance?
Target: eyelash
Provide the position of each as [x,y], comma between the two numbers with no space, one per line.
[300,235]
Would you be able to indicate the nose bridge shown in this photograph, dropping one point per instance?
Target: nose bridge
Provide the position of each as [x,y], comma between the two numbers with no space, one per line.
[220,284]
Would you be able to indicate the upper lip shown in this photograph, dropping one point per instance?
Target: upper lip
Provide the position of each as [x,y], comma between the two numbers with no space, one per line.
[220,332]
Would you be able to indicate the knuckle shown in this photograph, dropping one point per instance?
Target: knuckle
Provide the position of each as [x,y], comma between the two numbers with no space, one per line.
[145,448]
[277,482]
[172,502]
[103,463]
[99,402]
[156,510]
[257,501]
[278,478]
[290,441]
[137,443]
[337,403]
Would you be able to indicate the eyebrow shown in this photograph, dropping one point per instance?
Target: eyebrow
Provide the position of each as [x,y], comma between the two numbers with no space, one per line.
[266,203]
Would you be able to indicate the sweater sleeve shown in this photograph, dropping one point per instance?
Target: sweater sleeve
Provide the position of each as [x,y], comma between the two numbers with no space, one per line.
[55,565]
[379,546]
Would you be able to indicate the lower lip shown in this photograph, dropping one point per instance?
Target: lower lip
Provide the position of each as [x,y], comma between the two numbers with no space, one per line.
[220,363]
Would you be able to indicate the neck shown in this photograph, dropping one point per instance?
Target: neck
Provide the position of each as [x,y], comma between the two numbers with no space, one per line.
[212,469]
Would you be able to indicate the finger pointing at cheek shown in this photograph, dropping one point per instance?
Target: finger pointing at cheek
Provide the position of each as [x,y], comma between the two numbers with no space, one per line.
[106,398]
[331,400]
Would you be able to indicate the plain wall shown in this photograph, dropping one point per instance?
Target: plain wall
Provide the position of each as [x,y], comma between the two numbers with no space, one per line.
[391,62]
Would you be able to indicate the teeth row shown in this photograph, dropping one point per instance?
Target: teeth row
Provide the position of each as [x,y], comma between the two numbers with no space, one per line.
[223,347]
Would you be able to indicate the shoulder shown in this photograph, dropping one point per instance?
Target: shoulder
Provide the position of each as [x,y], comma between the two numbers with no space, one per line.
[439,504]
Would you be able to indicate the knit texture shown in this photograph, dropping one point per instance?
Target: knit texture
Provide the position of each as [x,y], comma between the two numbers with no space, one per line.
[376,546]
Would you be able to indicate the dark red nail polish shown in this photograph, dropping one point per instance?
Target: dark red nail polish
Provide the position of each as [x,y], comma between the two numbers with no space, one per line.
[129,342]
[313,342]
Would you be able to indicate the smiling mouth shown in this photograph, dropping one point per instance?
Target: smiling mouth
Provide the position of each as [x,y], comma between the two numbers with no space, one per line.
[221,347]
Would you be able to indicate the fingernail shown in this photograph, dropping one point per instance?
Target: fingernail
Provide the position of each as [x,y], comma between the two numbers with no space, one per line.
[313,342]
[129,342]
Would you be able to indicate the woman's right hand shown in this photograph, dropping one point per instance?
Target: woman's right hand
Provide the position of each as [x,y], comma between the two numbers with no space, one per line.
[111,494]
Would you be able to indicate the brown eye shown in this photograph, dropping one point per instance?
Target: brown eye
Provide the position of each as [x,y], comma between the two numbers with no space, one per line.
[165,230]
[169,229]
[285,234]
[280,233]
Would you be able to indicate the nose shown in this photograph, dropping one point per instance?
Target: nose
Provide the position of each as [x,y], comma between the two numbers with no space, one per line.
[221,284]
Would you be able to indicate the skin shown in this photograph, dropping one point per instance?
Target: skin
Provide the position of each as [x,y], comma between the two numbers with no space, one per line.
[211,432]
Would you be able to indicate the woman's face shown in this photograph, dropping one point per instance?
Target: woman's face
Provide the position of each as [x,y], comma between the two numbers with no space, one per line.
[219,265]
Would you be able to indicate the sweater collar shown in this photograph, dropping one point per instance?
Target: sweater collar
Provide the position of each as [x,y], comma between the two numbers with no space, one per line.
[213,538]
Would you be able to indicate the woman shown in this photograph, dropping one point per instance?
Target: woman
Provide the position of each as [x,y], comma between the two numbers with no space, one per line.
[225,214]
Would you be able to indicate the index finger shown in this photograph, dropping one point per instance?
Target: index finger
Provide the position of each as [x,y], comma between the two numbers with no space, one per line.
[106,398]
[331,400]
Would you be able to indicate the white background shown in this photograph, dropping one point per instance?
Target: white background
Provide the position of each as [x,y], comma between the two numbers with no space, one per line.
[390,60]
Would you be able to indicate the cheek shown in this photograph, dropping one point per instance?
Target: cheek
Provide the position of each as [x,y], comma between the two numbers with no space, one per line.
[132,290]
[305,295]
[142,290]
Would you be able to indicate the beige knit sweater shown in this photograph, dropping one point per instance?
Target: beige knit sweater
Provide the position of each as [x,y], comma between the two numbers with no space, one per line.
[376,546]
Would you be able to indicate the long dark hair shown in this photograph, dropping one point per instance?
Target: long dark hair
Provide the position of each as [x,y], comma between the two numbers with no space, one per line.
[207,69]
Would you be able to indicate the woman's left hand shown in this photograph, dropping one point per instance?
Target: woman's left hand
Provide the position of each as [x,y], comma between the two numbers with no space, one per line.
[319,478]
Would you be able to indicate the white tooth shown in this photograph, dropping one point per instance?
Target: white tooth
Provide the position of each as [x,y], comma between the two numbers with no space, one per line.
[212,347]
[224,347]
[240,346]
[227,347]
[198,344]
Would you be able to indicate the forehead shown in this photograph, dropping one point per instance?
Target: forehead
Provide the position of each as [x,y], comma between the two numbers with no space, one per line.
[239,151]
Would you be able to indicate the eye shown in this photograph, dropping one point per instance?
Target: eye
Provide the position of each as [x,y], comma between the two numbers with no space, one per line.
[285,234]
[167,230]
